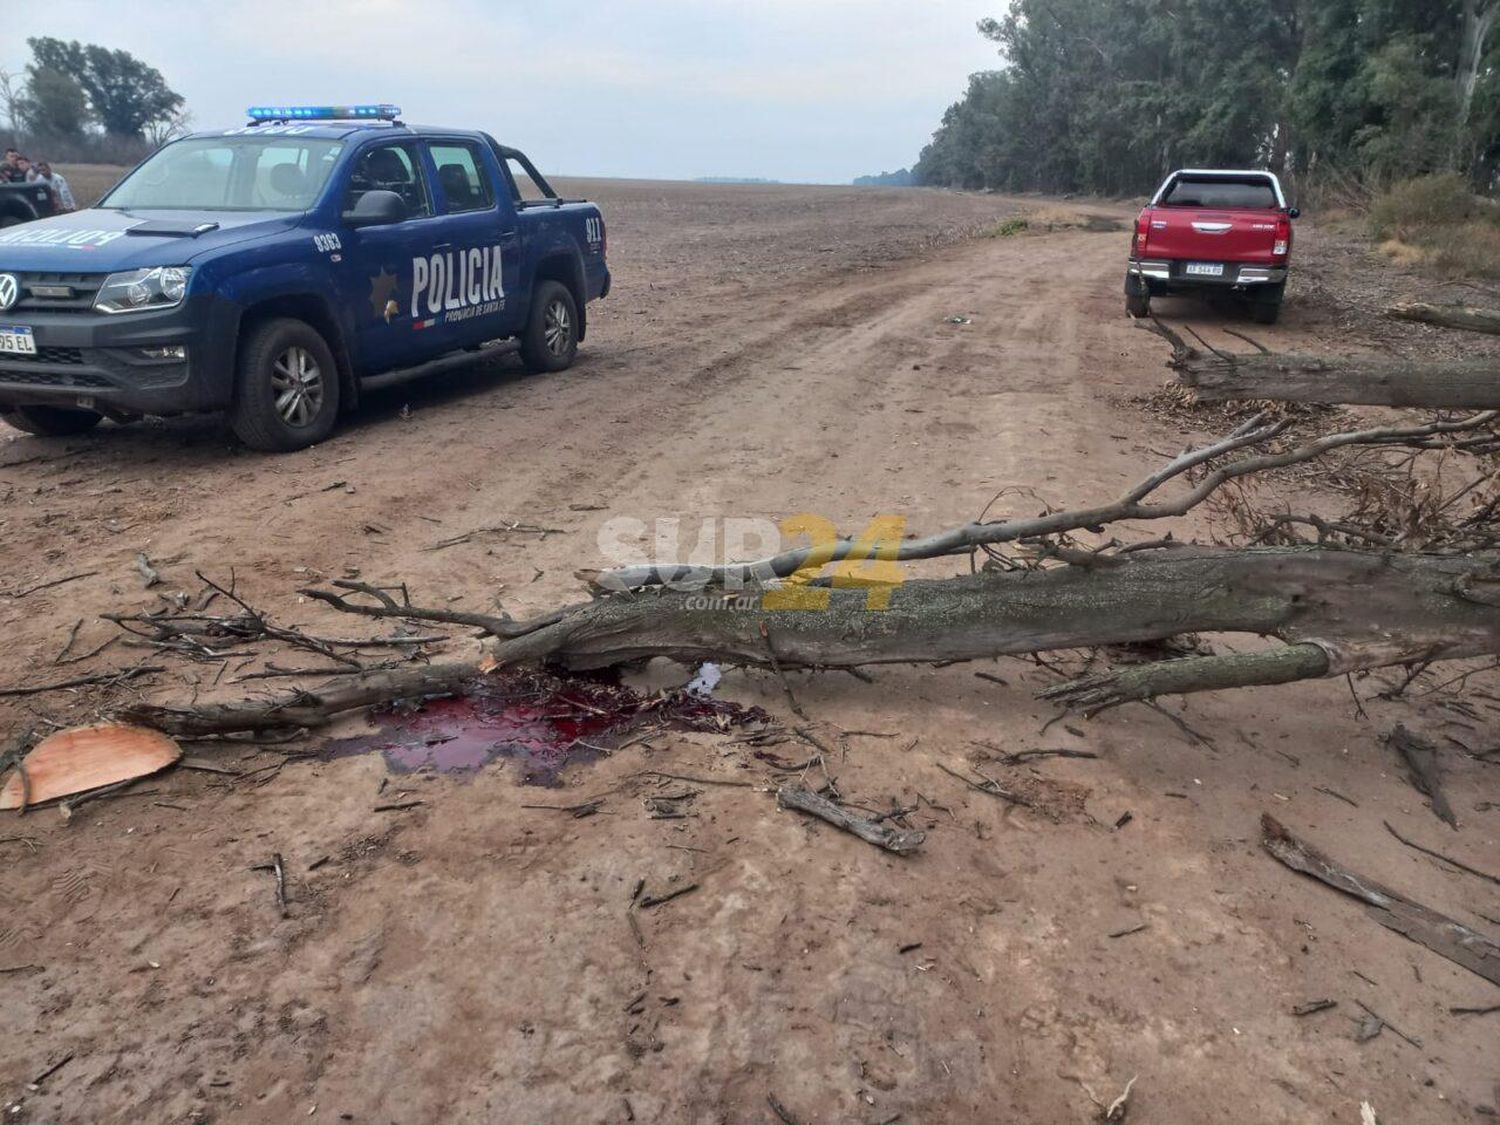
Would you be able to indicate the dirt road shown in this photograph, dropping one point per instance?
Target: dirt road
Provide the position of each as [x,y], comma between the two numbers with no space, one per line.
[767,351]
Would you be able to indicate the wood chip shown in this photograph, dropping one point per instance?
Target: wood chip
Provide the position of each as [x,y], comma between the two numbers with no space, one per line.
[86,758]
[1421,924]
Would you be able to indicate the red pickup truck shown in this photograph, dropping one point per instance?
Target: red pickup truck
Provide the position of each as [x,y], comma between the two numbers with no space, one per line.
[1213,230]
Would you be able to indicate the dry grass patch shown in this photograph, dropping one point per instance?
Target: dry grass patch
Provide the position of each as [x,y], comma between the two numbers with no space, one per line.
[1051,217]
[1436,223]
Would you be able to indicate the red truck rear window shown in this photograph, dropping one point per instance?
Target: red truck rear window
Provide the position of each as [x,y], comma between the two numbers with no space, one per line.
[1220,192]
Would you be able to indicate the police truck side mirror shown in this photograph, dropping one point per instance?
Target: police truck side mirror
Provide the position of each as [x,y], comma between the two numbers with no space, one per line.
[377,208]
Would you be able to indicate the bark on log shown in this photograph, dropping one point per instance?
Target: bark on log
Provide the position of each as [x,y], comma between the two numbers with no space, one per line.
[1093,694]
[1461,384]
[1465,317]
[301,708]
[1363,609]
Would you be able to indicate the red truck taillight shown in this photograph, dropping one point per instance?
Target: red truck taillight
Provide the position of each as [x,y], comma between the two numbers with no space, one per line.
[1142,232]
[1283,245]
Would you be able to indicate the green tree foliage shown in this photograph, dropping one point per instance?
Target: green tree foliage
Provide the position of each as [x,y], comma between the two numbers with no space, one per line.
[125,95]
[901,177]
[54,105]
[1109,95]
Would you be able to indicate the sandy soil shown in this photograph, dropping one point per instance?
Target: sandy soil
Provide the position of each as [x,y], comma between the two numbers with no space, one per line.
[767,351]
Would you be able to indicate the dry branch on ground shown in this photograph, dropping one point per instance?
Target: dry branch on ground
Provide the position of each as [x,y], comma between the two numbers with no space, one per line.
[1464,317]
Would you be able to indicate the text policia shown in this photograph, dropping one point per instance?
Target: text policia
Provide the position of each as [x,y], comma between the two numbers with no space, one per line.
[458,284]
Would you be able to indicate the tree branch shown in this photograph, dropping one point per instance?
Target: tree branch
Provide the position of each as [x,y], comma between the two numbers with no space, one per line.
[1132,505]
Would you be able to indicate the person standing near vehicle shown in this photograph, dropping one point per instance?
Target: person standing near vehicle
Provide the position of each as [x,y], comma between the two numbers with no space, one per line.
[13,168]
[62,195]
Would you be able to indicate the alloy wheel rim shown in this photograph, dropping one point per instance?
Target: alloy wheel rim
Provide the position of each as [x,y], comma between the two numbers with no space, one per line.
[557,327]
[297,384]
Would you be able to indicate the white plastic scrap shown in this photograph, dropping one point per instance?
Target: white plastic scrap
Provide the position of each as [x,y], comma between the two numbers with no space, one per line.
[706,680]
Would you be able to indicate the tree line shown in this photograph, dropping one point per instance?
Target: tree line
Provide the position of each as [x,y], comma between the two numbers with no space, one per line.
[83,97]
[1106,96]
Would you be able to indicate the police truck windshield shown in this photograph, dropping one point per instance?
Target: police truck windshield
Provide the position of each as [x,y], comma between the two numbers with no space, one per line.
[235,173]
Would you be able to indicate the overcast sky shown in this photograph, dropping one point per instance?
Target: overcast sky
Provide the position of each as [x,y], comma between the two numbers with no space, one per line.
[809,90]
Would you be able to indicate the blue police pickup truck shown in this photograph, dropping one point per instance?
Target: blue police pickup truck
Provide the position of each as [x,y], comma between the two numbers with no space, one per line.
[276,270]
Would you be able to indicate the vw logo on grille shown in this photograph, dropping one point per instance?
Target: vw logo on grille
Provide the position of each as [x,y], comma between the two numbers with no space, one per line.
[10,290]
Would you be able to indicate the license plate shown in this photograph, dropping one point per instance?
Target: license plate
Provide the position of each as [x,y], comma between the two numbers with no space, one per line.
[17,339]
[1205,269]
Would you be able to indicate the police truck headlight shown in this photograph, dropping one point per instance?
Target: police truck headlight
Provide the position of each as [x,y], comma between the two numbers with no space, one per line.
[159,288]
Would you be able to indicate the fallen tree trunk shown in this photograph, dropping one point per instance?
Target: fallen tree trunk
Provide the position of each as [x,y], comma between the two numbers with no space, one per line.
[1465,317]
[1460,384]
[1338,610]
[1363,609]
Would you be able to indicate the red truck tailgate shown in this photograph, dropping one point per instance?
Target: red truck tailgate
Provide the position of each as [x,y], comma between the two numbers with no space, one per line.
[1215,236]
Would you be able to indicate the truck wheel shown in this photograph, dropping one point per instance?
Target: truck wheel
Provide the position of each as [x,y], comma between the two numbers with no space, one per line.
[1137,297]
[50,421]
[551,338]
[1266,306]
[286,391]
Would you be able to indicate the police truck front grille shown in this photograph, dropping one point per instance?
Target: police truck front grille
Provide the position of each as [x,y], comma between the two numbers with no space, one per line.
[72,356]
[10,373]
[58,292]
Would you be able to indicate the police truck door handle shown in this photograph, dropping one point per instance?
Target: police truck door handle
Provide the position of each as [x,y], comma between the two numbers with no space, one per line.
[442,246]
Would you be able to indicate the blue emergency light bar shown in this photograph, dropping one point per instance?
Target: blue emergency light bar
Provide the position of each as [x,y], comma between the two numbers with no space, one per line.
[382,112]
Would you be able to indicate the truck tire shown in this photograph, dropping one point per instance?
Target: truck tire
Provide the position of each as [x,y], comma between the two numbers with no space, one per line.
[286,387]
[550,340]
[50,421]
[1137,297]
[1266,306]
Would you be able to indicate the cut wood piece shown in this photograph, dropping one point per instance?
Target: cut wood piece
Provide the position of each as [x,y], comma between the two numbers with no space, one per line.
[1465,317]
[899,840]
[84,758]
[1421,924]
[1421,759]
